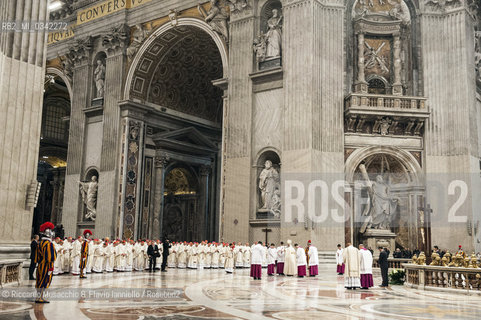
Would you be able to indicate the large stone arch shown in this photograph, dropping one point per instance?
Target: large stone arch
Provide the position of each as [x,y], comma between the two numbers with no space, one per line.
[163,30]
[356,157]
[60,74]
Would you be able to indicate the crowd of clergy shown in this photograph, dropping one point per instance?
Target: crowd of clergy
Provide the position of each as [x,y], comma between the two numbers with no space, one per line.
[128,255]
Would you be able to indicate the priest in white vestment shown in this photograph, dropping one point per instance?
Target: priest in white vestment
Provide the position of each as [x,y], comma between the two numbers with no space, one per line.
[91,250]
[215,256]
[258,254]
[182,256]
[281,254]
[98,258]
[351,259]
[339,260]
[301,261]
[193,256]
[229,258]
[67,248]
[313,260]
[247,256]
[75,256]
[239,255]
[271,260]
[109,256]
[365,267]
[290,265]
[57,265]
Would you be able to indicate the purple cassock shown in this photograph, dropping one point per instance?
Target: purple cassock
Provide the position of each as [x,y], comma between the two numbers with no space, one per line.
[340,268]
[367,281]
[280,267]
[301,271]
[313,270]
[271,269]
[256,271]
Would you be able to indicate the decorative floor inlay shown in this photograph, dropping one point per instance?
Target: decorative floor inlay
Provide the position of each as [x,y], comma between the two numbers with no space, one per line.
[213,294]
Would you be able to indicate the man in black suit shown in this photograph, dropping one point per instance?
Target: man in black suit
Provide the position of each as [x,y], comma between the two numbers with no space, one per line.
[33,250]
[165,253]
[153,253]
[384,265]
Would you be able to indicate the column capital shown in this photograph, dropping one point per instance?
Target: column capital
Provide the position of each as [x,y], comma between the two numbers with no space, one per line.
[116,40]
[80,50]
[162,160]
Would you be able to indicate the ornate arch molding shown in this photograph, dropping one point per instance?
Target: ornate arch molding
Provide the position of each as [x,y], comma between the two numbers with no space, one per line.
[407,159]
[188,22]
[59,73]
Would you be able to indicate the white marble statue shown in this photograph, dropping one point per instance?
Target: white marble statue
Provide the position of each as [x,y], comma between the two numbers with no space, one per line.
[274,35]
[382,205]
[89,197]
[100,78]
[216,17]
[269,185]
[138,36]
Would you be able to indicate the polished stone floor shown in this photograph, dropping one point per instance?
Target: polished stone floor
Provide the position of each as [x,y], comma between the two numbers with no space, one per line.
[213,294]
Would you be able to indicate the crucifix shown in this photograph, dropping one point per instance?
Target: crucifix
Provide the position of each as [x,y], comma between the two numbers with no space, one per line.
[266,230]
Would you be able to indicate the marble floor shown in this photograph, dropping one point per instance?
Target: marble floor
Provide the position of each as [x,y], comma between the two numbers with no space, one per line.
[213,294]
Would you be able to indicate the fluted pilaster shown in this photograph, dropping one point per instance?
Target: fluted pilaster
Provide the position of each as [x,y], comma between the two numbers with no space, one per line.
[22,69]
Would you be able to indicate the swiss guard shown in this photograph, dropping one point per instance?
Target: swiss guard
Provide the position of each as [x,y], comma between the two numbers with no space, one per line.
[84,253]
[45,258]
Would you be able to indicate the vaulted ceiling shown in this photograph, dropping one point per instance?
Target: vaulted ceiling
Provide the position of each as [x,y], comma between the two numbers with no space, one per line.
[177,70]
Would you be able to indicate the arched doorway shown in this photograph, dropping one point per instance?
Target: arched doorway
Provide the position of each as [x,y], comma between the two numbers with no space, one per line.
[387,198]
[171,80]
[52,159]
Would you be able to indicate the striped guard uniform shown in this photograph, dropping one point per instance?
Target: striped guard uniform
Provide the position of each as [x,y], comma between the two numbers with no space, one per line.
[45,257]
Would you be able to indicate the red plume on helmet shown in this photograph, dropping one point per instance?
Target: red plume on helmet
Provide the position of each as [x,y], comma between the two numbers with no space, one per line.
[46,225]
[87,231]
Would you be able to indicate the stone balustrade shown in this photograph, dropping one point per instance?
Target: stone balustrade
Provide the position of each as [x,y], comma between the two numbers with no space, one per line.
[382,101]
[446,278]
[385,114]
[394,263]
[10,272]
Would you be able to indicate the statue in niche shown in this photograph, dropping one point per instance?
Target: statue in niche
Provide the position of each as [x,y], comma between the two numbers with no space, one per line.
[382,205]
[269,44]
[89,197]
[269,185]
[216,17]
[274,35]
[99,75]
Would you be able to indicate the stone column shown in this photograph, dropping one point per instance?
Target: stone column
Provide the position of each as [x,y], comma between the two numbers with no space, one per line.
[204,226]
[22,71]
[397,85]
[313,131]
[79,52]
[161,161]
[55,195]
[361,85]
[451,135]
[114,43]
[238,128]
